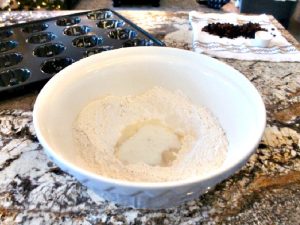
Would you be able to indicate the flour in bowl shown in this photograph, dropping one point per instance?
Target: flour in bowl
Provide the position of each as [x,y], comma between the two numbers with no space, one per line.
[153,137]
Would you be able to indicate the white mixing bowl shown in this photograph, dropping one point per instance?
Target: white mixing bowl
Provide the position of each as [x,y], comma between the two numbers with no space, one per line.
[206,81]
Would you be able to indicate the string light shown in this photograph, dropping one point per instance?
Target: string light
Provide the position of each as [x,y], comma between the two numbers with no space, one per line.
[35,4]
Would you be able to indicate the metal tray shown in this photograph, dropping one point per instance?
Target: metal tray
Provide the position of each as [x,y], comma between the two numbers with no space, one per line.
[31,53]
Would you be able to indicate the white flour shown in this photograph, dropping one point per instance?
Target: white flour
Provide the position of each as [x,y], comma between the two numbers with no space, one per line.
[184,140]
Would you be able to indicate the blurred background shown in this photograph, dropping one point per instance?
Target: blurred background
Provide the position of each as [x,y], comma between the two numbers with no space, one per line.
[287,12]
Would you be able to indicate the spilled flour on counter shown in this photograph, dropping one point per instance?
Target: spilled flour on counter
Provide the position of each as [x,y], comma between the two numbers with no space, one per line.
[156,136]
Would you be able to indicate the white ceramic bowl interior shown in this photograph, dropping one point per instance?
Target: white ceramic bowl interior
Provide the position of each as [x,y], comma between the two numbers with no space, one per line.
[129,71]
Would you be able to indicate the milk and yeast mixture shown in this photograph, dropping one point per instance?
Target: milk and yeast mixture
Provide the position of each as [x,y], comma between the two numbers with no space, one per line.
[156,136]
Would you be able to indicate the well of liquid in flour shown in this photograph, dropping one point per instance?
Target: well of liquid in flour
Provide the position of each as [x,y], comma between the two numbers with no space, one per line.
[148,142]
[155,136]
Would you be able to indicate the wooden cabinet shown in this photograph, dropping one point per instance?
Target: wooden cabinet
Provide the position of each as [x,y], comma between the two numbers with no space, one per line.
[117,3]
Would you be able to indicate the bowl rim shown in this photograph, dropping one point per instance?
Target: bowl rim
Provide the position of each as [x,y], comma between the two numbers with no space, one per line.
[227,171]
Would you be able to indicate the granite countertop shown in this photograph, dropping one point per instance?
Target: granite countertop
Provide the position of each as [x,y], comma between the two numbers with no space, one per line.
[265,191]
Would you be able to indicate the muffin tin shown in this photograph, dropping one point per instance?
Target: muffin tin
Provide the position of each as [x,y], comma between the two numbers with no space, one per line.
[31,53]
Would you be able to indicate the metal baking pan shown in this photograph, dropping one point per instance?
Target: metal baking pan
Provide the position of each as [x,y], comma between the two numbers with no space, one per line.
[31,53]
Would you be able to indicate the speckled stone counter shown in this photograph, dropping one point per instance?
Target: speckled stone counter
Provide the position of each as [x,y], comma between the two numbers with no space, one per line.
[265,191]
